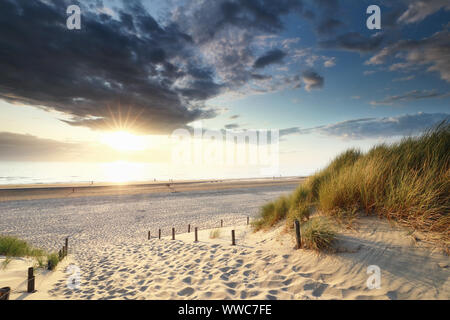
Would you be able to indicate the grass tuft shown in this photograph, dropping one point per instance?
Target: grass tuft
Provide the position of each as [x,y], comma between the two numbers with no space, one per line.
[214,234]
[14,247]
[317,234]
[52,260]
[272,213]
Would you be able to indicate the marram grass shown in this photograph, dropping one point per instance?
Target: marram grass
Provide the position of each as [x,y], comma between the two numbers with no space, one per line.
[408,182]
[14,247]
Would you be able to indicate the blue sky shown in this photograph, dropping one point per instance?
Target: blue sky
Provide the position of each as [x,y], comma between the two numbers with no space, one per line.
[311,69]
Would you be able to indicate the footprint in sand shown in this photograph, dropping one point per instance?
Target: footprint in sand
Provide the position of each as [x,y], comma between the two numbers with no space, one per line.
[318,288]
[186,291]
[187,280]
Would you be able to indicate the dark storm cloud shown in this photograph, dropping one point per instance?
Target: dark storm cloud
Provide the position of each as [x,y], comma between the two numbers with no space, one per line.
[273,56]
[206,19]
[226,31]
[108,74]
[403,125]
[125,69]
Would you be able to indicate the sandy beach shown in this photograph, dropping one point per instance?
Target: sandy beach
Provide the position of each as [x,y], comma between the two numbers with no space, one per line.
[108,243]
[262,265]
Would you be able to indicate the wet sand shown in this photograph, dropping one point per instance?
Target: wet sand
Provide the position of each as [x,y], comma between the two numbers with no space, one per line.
[57,191]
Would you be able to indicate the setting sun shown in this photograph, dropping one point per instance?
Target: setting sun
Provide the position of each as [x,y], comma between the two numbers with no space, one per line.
[124,141]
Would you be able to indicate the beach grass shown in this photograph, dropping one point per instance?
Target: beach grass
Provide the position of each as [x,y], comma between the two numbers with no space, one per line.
[407,181]
[318,234]
[14,247]
[52,260]
[214,234]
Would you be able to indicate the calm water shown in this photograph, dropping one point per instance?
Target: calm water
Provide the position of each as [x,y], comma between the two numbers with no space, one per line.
[64,172]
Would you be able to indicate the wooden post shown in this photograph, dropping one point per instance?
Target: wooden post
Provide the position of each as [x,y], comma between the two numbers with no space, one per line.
[233,239]
[189,228]
[248,220]
[149,235]
[67,245]
[173,233]
[60,254]
[30,287]
[221,223]
[297,234]
[159,234]
[196,235]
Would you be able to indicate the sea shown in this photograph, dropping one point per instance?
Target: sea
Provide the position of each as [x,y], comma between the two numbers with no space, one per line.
[16,173]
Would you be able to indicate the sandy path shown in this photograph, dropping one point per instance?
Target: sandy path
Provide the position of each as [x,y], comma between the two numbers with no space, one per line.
[261,266]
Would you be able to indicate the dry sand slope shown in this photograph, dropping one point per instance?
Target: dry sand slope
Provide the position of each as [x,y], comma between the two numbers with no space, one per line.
[261,266]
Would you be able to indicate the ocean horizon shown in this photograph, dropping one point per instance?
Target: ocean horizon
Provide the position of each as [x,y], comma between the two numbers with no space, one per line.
[16,173]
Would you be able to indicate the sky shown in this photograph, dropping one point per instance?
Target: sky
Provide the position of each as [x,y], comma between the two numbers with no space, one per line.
[310,69]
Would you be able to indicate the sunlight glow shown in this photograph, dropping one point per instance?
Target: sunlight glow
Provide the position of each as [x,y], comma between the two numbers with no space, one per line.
[123,171]
[124,141]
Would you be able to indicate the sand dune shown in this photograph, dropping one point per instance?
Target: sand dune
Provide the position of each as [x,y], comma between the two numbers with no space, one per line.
[262,265]
[108,242]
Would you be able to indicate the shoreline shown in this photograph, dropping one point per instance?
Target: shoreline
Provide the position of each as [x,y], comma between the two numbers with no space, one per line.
[76,190]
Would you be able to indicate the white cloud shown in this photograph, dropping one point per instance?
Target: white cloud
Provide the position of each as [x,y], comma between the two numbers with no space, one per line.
[432,52]
[329,62]
[419,10]
[386,127]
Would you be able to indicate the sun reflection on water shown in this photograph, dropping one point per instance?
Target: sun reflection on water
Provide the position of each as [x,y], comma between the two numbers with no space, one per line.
[123,171]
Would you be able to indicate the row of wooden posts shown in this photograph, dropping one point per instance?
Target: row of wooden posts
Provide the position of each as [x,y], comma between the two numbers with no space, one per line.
[31,277]
[298,238]
[65,249]
[233,235]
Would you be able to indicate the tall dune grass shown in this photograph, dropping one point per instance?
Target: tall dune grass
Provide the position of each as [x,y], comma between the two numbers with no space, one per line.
[408,182]
[14,247]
